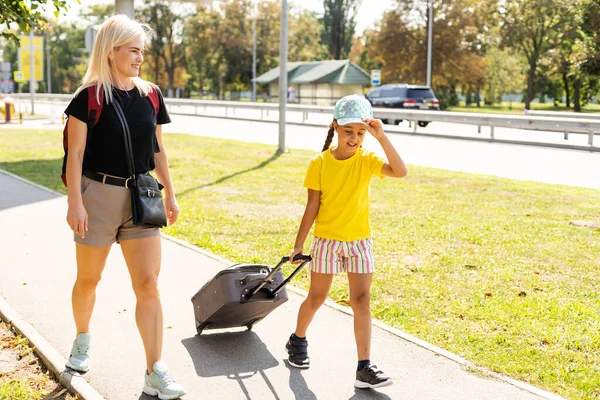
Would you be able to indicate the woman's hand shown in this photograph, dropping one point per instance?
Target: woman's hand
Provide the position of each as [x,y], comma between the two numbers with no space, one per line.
[375,127]
[171,209]
[77,218]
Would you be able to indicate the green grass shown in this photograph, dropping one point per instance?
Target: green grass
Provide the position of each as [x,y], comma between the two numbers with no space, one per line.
[15,390]
[485,267]
[517,108]
[26,379]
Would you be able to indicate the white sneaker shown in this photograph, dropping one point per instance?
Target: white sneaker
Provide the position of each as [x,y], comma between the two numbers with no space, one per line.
[160,383]
[79,360]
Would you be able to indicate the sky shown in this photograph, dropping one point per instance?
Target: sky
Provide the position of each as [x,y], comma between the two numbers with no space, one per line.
[369,13]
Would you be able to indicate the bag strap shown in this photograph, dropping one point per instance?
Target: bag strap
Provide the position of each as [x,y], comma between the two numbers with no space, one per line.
[95,104]
[126,136]
[154,100]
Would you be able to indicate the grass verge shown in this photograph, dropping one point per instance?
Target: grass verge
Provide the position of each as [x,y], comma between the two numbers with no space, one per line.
[488,268]
[22,375]
[517,108]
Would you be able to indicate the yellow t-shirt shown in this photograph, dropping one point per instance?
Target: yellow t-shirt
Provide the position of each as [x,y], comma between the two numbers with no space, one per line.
[344,185]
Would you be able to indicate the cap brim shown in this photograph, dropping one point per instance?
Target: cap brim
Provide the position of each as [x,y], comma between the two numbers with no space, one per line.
[347,121]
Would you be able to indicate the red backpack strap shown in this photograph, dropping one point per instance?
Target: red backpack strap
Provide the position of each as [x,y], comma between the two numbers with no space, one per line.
[154,100]
[94,106]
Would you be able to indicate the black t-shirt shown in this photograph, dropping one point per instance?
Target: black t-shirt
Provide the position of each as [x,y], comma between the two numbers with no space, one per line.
[105,147]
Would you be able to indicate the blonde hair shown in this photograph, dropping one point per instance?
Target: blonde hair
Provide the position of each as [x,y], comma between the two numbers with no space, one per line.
[114,32]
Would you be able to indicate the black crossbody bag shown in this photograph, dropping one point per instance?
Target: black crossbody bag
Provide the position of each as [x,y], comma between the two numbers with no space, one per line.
[147,205]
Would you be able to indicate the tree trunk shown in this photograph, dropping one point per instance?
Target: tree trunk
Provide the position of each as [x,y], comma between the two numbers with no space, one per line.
[156,69]
[453,96]
[171,75]
[566,84]
[221,93]
[530,83]
[576,95]
[478,95]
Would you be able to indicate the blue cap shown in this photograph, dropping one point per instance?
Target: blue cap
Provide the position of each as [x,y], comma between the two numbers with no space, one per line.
[352,109]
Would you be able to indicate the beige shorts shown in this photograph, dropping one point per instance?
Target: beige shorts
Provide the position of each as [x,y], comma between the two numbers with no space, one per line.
[109,215]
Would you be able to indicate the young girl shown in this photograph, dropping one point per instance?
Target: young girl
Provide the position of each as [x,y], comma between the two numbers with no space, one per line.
[338,198]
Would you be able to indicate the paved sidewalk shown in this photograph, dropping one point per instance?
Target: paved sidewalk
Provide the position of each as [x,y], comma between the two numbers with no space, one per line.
[37,270]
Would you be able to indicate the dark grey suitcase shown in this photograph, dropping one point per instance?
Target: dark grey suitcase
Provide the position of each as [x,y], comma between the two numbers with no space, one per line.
[242,295]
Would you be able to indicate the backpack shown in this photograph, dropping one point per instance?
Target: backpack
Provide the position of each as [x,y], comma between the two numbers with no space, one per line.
[94,107]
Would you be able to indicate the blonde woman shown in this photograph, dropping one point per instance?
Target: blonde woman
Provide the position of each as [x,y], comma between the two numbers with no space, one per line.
[99,203]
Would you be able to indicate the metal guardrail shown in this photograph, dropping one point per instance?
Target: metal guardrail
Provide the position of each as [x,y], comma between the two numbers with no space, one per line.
[558,114]
[588,126]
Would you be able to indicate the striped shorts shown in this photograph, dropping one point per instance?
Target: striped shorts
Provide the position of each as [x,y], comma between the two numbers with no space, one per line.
[334,257]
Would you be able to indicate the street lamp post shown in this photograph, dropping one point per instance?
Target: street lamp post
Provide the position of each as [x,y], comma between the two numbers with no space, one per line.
[429,40]
[32,71]
[49,77]
[124,7]
[283,55]
[253,97]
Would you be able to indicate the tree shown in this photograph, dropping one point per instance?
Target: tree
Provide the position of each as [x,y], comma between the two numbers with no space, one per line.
[305,38]
[361,53]
[219,43]
[68,57]
[202,40]
[506,73]
[399,46]
[529,26]
[26,16]
[339,24]
[165,43]
[590,28]
[95,14]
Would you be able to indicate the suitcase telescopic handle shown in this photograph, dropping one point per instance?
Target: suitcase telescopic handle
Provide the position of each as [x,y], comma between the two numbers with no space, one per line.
[297,257]
[303,257]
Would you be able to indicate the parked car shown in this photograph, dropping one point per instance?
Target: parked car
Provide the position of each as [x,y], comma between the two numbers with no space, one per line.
[399,95]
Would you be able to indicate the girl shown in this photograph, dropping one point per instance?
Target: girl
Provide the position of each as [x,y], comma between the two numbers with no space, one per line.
[338,198]
[99,210]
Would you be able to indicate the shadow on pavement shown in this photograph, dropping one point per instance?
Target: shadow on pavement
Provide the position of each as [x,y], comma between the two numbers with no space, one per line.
[364,394]
[145,396]
[229,353]
[16,193]
[236,355]
[298,384]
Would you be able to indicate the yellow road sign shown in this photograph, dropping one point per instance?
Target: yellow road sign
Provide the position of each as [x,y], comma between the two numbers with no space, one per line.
[25,57]
[18,76]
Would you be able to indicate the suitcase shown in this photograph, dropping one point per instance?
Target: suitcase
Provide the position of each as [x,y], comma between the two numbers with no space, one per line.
[242,295]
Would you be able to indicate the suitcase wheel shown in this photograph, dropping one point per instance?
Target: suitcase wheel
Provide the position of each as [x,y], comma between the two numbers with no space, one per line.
[250,324]
[201,327]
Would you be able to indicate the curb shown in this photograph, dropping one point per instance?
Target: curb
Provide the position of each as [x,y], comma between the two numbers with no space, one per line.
[72,382]
[396,332]
[30,183]
[75,383]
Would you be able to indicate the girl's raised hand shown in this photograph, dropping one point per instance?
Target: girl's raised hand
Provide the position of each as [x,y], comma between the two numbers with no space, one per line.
[375,127]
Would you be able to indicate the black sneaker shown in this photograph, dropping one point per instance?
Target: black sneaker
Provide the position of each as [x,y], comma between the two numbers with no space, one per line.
[298,353]
[370,377]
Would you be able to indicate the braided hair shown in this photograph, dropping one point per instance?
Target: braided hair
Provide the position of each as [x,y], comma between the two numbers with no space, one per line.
[329,135]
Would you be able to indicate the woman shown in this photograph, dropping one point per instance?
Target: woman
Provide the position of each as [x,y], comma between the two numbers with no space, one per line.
[99,209]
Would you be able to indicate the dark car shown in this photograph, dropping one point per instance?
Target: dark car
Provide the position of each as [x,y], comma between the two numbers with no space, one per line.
[397,95]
